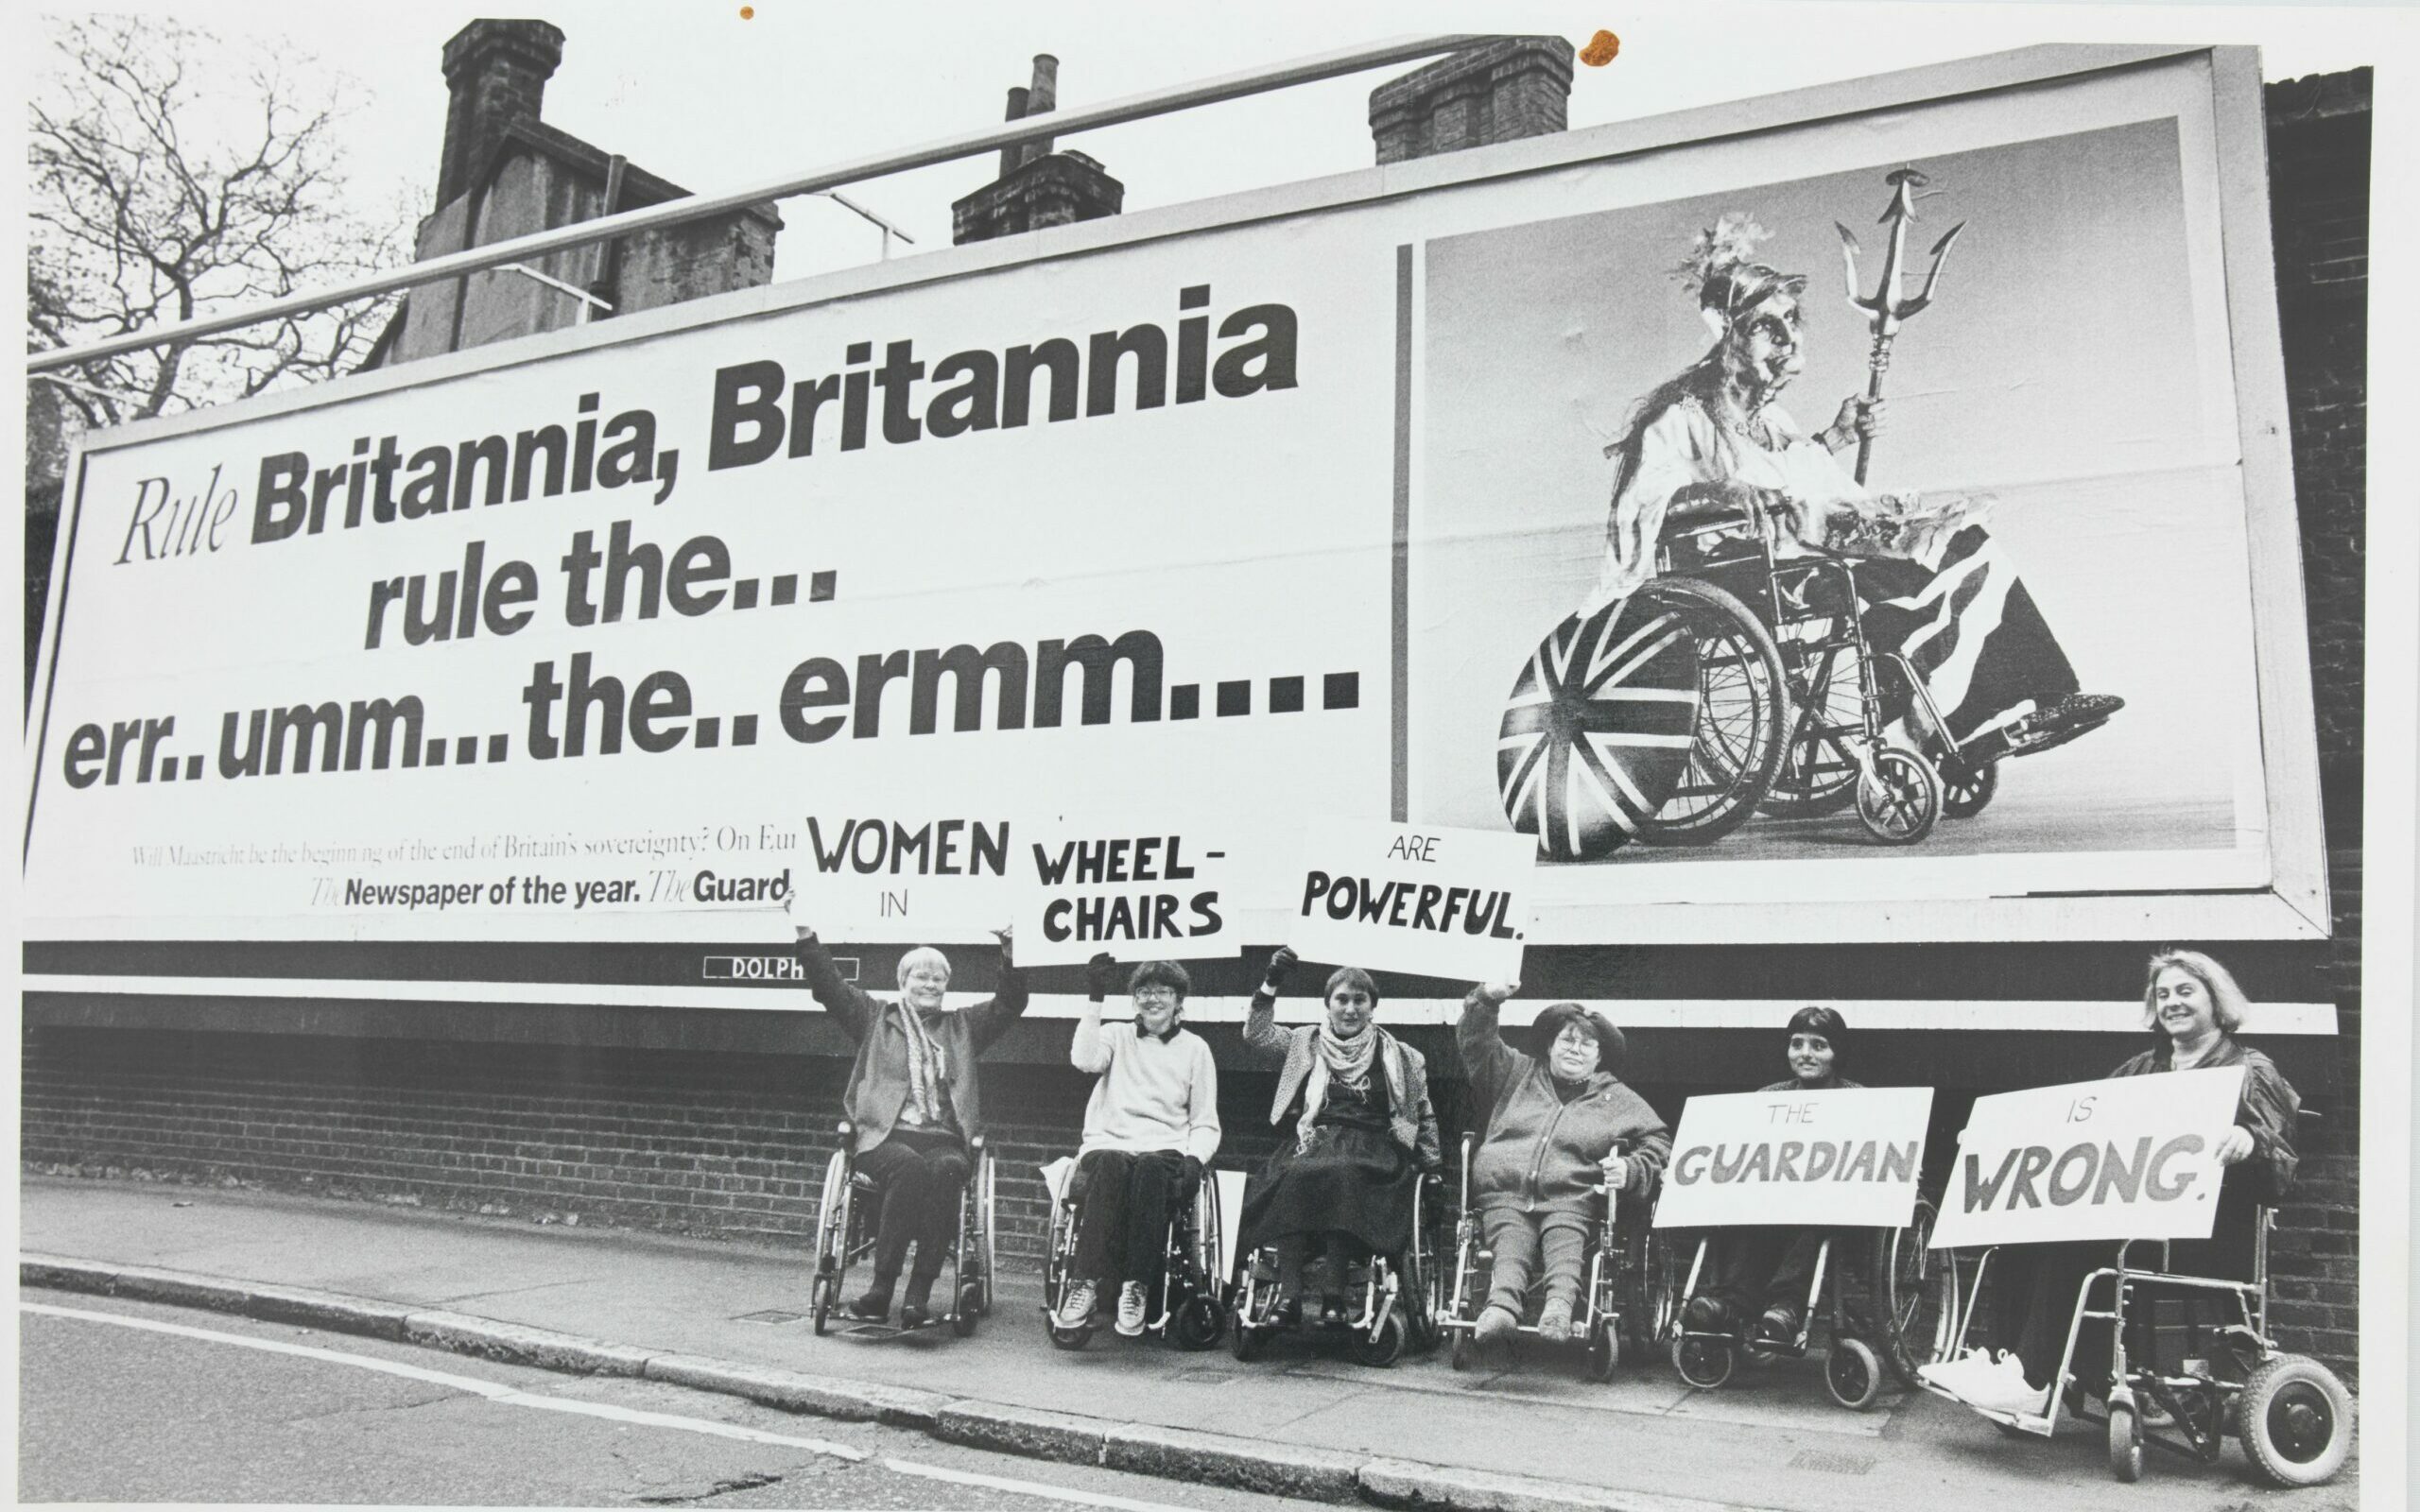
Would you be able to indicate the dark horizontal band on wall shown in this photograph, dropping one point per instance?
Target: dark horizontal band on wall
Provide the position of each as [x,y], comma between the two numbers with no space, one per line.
[2085,971]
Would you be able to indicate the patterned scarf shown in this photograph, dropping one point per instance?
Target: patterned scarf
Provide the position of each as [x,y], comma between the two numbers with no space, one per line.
[927,1067]
[1346,1060]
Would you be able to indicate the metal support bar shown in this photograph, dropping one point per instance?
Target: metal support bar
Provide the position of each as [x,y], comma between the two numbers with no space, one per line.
[699,207]
[585,298]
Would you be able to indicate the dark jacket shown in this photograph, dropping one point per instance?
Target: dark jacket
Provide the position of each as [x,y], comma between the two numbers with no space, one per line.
[1833,1083]
[1540,1152]
[2267,1108]
[1410,1117]
[878,1081]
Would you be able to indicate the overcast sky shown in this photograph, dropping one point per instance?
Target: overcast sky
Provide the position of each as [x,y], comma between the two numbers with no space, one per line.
[710,100]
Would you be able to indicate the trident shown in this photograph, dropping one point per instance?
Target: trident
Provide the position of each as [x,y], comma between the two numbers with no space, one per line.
[1886,310]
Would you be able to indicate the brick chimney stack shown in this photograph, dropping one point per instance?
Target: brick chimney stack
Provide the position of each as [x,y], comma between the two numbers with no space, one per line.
[1037,186]
[1510,88]
[495,74]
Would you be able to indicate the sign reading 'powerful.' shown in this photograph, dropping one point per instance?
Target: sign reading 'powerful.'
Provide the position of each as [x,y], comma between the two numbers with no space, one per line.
[1849,1157]
[2133,1158]
[1451,904]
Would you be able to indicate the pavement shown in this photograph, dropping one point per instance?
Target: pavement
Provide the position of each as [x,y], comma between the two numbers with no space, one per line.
[1535,1436]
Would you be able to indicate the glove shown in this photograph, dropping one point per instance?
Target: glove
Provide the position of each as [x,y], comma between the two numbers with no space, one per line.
[1100,976]
[1280,964]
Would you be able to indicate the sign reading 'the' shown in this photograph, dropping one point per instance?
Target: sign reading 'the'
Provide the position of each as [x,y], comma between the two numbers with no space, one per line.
[1452,903]
[1848,1158]
[2133,1158]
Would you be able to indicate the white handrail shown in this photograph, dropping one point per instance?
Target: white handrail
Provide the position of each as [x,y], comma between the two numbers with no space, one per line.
[698,207]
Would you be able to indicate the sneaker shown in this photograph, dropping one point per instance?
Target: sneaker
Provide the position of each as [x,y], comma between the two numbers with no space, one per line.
[1076,1309]
[1991,1384]
[1555,1320]
[1495,1324]
[1130,1310]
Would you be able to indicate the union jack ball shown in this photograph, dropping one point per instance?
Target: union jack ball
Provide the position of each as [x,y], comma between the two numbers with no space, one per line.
[1596,732]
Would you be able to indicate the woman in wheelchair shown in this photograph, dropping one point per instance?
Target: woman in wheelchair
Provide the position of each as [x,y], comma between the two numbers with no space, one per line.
[1151,1126]
[1562,1131]
[1938,589]
[1763,1273]
[914,1102]
[2193,1007]
[1357,1135]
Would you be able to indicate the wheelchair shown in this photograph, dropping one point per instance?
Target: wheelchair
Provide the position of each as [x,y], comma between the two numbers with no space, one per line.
[1392,1301]
[1617,1301]
[1185,1306]
[1790,695]
[1889,1330]
[2196,1347]
[849,1218]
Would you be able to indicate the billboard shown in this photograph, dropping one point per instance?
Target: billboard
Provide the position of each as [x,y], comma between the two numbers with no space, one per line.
[1319,503]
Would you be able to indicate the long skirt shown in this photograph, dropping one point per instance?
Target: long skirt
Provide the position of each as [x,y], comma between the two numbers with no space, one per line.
[1352,1181]
[1968,626]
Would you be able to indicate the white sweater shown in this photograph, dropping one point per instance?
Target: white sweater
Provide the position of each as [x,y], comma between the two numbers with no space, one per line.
[1151,1095]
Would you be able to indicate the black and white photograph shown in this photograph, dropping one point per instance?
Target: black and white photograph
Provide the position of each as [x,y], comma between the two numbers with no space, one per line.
[1057,757]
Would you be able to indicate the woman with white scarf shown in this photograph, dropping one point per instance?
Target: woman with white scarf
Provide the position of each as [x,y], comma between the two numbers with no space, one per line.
[1357,1133]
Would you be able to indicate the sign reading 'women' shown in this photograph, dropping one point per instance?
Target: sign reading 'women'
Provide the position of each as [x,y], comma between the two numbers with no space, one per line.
[2131,1159]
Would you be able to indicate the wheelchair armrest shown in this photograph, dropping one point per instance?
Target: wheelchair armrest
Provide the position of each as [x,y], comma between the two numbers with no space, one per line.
[1696,516]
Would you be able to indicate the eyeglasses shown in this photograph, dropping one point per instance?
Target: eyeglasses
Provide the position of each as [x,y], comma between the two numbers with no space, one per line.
[1155,995]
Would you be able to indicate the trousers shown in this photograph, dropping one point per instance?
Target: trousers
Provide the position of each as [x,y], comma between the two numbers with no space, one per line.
[921,1171]
[1122,1227]
[1520,1241]
[1756,1268]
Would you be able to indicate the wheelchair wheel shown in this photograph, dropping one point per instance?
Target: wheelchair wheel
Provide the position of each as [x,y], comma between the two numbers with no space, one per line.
[1817,775]
[1965,789]
[1459,1352]
[1604,1351]
[2125,1443]
[2295,1419]
[1394,1336]
[1901,802]
[1911,1305]
[1736,743]
[985,1239]
[825,1294]
[1852,1374]
[831,1239]
[1198,1324]
[969,1310]
[1704,1364]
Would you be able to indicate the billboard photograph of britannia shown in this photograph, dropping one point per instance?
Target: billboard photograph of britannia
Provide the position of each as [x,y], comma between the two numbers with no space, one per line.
[1754,530]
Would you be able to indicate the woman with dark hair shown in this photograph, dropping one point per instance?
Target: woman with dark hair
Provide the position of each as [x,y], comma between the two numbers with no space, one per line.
[1360,1133]
[2192,1006]
[1562,1132]
[914,1102]
[1711,439]
[1764,1271]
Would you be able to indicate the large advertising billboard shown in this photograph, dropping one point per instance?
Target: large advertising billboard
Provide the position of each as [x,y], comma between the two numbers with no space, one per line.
[1541,489]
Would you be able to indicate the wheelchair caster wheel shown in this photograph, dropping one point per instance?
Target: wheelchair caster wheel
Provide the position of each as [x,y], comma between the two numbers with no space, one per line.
[826,1290]
[1900,800]
[1965,790]
[968,1310]
[1069,1338]
[1387,1348]
[1704,1364]
[1198,1324]
[2125,1443]
[1604,1352]
[1852,1374]
[1243,1341]
[2295,1419]
[1461,1354]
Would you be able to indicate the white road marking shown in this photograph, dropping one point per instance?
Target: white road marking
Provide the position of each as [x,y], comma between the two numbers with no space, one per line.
[512,1396]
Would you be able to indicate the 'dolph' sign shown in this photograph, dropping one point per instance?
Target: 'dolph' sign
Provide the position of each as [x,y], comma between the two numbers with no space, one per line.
[2129,1159]
[1848,1158]
[1452,903]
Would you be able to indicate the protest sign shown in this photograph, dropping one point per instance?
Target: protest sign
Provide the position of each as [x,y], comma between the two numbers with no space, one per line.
[1136,894]
[2133,1158]
[1847,1158]
[1450,903]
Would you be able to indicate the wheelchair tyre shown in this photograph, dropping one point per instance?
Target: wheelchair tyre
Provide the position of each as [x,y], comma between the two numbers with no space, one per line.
[1965,790]
[827,1291]
[1604,1351]
[1743,702]
[1801,787]
[1909,1300]
[2295,1419]
[969,1310]
[2125,1443]
[1704,1364]
[1395,1335]
[1852,1374]
[1903,801]
[1198,1324]
[1459,1352]
[1069,1338]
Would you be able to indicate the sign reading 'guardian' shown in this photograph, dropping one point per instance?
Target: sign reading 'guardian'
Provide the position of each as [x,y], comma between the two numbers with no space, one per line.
[2130,1159]
[1847,1158]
